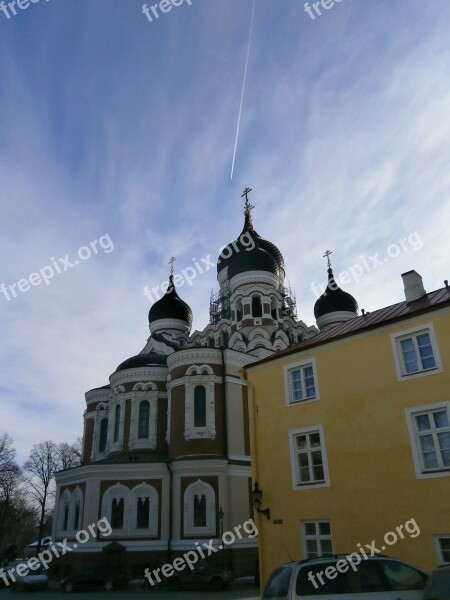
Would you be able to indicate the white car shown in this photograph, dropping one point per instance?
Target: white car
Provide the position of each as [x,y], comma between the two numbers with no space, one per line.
[337,578]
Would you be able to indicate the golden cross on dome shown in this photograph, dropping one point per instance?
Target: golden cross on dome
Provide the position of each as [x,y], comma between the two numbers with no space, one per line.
[171,261]
[248,207]
[327,255]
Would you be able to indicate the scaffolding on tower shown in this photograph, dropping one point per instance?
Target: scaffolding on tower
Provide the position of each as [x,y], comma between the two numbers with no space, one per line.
[219,306]
[289,307]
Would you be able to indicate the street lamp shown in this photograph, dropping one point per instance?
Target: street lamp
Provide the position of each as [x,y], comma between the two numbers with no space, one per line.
[257,499]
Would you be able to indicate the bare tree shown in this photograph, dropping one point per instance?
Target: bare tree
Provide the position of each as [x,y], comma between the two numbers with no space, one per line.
[39,471]
[7,454]
[69,456]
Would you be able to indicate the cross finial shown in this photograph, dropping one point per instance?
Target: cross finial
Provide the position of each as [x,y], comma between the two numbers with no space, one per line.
[171,261]
[246,193]
[248,208]
[327,255]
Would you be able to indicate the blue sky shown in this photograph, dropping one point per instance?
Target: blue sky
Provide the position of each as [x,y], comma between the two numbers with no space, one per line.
[112,125]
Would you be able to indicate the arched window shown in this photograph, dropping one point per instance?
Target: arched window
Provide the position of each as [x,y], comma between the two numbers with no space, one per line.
[144,419]
[117,424]
[144,514]
[103,435]
[199,509]
[200,406]
[117,512]
[256,306]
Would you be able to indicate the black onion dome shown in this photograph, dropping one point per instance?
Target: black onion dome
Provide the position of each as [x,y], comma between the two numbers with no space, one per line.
[170,306]
[334,299]
[149,359]
[265,256]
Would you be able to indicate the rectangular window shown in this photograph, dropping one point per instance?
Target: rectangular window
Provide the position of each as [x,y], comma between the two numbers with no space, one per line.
[117,513]
[199,511]
[143,513]
[443,549]
[301,382]
[316,539]
[416,352]
[429,430]
[308,458]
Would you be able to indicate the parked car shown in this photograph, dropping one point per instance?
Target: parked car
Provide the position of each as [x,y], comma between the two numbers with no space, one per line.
[102,578]
[200,577]
[336,579]
[33,580]
[438,585]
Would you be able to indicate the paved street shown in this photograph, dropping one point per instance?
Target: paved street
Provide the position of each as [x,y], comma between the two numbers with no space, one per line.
[238,590]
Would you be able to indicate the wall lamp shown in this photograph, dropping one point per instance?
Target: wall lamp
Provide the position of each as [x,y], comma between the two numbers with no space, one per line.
[257,498]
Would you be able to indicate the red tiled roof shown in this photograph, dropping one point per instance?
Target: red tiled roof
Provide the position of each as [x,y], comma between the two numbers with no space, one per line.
[378,318]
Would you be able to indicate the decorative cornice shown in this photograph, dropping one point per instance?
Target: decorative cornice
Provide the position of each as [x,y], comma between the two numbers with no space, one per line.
[139,374]
[190,356]
[200,467]
[113,472]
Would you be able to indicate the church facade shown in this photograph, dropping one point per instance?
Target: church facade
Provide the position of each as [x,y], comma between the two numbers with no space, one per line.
[166,451]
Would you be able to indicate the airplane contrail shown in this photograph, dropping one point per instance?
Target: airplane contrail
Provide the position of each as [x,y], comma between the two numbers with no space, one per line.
[243,88]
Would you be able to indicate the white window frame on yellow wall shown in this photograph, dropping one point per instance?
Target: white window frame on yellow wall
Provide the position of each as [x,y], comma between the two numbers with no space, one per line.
[317,537]
[288,382]
[413,334]
[296,482]
[414,434]
[438,547]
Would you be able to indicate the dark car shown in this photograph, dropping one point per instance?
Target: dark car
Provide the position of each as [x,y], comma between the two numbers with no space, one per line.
[200,577]
[102,578]
[438,585]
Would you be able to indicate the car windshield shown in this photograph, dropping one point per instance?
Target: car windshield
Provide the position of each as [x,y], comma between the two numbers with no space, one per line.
[278,584]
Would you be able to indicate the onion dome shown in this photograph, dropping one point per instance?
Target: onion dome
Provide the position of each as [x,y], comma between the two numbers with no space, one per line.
[149,359]
[170,312]
[334,305]
[250,252]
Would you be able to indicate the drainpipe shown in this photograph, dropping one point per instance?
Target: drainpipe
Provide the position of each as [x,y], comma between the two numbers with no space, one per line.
[224,397]
[169,541]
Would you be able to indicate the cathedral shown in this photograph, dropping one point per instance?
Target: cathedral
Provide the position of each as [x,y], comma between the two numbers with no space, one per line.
[166,455]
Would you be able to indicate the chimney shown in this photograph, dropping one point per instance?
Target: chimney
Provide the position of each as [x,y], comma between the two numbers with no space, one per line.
[413,286]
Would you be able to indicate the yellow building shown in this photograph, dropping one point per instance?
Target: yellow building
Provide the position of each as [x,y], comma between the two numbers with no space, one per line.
[350,433]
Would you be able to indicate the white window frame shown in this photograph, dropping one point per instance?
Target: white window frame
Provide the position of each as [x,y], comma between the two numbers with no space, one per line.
[296,485]
[415,447]
[116,446]
[288,387]
[304,537]
[194,489]
[139,491]
[195,376]
[143,391]
[117,491]
[101,412]
[438,549]
[396,339]
[69,499]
